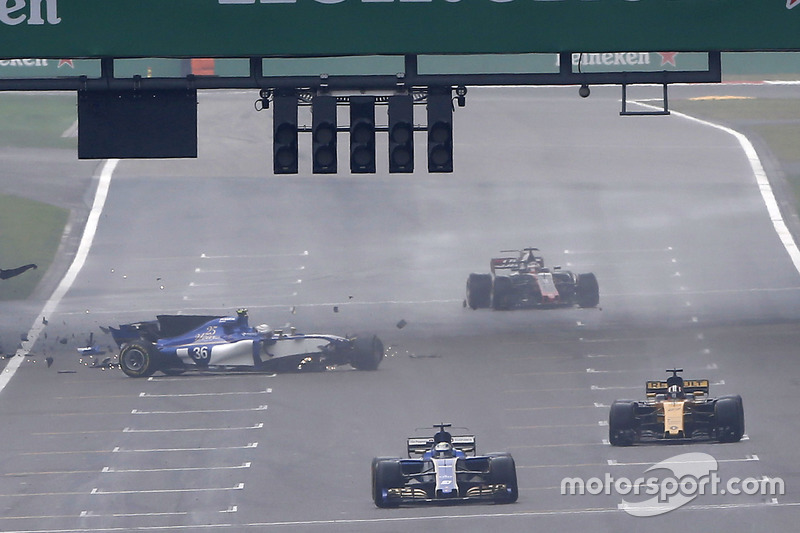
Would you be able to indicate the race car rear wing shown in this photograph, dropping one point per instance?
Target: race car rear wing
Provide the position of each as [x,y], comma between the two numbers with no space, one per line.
[690,386]
[504,263]
[417,446]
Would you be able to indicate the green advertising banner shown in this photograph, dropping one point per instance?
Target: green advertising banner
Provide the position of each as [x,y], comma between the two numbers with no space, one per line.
[294,28]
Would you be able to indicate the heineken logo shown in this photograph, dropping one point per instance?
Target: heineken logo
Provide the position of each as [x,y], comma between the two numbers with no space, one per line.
[33,12]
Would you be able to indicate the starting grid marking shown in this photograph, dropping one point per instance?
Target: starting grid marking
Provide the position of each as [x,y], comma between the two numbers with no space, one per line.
[179,430]
[196,411]
[746,459]
[100,492]
[295,524]
[198,449]
[196,394]
[110,470]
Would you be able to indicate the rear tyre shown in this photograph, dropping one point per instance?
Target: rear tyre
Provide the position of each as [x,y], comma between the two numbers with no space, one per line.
[138,359]
[587,290]
[367,353]
[502,290]
[622,423]
[386,474]
[479,291]
[503,471]
[729,418]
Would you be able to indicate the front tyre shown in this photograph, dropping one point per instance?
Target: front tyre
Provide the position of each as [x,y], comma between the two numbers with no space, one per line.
[502,290]
[622,423]
[587,290]
[367,352]
[138,359]
[479,291]
[729,418]
[503,471]
[386,474]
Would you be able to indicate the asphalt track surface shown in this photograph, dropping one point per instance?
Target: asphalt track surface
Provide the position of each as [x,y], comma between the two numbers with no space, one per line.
[664,210]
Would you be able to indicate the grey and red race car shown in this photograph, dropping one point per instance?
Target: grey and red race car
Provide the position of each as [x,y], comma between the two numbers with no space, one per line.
[529,284]
[444,468]
[675,410]
[174,344]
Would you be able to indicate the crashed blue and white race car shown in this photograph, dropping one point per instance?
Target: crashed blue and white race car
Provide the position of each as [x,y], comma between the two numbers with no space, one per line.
[174,344]
[443,469]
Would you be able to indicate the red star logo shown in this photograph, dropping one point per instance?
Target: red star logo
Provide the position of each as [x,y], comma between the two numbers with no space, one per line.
[62,62]
[669,57]
[791,3]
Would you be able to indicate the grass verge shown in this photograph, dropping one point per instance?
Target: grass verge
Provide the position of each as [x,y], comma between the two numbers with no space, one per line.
[30,232]
[37,121]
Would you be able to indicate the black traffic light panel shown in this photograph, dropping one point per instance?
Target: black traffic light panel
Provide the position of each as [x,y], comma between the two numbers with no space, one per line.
[440,131]
[362,134]
[323,132]
[401,133]
[284,134]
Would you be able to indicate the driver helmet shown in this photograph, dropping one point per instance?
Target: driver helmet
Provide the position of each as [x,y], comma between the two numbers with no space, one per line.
[443,449]
[674,392]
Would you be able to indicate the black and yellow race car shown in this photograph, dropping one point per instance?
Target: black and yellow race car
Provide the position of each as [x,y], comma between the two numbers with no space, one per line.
[676,410]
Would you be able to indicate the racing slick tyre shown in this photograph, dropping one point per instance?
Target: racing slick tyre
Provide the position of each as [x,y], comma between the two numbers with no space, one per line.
[479,291]
[503,471]
[502,290]
[138,359]
[386,474]
[622,423]
[367,352]
[587,291]
[729,418]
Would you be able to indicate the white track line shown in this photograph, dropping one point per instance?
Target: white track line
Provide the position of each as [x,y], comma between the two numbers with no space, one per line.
[761,180]
[69,278]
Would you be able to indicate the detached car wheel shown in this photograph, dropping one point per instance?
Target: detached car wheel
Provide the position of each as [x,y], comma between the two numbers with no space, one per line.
[367,353]
[137,359]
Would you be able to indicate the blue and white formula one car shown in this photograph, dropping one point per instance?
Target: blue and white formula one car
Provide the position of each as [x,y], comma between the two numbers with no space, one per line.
[174,344]
[443,469]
